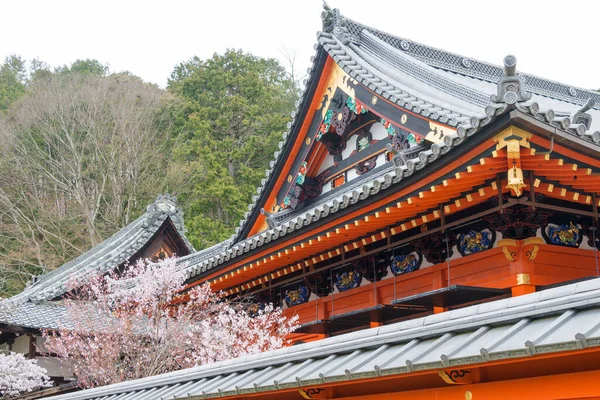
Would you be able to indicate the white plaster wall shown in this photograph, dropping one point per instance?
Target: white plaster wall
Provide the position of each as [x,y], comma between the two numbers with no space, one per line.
[351,175]
[350,147]
[21,345]
[326,187]
[54,367]
[327,162]
[378,131]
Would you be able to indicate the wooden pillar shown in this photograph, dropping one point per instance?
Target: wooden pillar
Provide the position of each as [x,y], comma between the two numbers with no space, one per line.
[374,295]
[439,280]
[31,354]
[521,255]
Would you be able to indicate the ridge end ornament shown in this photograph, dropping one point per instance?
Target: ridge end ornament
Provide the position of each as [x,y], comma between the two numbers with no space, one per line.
[330,17]
[582,116]
[511,88]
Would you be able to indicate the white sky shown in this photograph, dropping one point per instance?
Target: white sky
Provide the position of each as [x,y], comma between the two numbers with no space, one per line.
[555,40]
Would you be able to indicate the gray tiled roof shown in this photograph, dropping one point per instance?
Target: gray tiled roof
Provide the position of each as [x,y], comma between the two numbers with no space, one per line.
[435,83]
[476,69]
[110,253]
[46,314]
[555,320]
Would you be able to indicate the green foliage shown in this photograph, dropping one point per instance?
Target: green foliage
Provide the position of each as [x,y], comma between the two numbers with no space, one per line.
[234,108]
[83,151]
[13,74]
[85,67]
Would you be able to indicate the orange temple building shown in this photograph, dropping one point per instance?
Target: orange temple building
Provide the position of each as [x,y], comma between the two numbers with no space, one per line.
[432,220]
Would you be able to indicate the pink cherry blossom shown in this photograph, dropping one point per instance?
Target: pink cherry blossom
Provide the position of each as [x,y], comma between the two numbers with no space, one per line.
[143,322]
[19,375]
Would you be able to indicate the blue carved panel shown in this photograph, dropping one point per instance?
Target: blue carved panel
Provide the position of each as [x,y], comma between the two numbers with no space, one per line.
[346,280]
[569,235]
[475,241]
[299,294]
[254,309]
[405,263]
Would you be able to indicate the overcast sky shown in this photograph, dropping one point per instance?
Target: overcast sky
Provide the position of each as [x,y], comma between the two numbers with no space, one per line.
[556,40]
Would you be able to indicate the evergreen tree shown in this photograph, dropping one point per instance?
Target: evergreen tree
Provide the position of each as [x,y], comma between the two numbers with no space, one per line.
[13,75]
[233,111]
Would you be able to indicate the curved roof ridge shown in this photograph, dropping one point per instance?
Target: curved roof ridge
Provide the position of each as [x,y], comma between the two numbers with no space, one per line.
[340,44]
[397,92]
[400,62]
[278,154]
[474,68]
[415,85]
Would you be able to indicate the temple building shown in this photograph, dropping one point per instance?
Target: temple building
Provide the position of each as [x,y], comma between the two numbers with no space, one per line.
[432,220]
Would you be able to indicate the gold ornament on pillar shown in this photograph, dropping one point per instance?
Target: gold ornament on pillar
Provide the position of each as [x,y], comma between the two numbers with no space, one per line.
[515,174]
[515,179]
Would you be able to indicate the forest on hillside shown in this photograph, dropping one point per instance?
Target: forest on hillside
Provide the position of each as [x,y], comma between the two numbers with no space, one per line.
[84,150]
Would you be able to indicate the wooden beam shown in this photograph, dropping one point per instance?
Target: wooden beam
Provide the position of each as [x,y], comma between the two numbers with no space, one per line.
[523,201]
[578,385]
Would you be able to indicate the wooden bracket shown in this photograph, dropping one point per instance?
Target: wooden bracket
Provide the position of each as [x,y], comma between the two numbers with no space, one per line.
[316,393]
[459,376]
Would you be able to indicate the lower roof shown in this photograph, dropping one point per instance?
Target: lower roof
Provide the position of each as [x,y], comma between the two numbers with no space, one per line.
[555,320]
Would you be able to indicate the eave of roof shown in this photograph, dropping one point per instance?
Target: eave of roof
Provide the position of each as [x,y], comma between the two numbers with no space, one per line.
[285,146]
[555,320]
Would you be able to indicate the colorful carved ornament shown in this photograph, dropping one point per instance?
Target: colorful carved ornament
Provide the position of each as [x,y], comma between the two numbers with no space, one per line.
[563,234]
[365,166]
[347,280]
[404,263]
[475,241]
[301,174]
[392,133]
[355,106]
[412,138]
[389,127]
[297,295]
[324,128]
[340,119]
[293,197]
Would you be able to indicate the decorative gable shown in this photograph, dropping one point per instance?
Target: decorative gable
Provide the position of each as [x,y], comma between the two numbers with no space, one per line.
[353,131]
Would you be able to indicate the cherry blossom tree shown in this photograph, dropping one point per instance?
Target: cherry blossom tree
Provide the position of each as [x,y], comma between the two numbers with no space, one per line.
[19,374]
[143,322]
